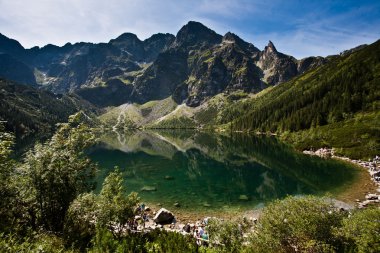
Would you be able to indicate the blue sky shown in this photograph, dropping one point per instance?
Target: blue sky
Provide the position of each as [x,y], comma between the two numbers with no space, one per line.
[298,28]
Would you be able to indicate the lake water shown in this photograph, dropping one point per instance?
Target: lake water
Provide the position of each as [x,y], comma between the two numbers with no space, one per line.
[204,171]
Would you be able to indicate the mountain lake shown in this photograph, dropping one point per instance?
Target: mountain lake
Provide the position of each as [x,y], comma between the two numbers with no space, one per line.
[208,173]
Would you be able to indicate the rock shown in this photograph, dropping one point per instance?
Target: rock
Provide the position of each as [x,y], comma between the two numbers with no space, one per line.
[371,197]
[148,189]
[176,204]
[206,205]
[147,208]
[243,197]
[159,204]
[163,216]
[169,177]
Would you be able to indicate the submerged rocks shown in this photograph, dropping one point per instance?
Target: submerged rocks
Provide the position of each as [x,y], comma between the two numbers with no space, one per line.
[148,189]
[243,197]
[163,216]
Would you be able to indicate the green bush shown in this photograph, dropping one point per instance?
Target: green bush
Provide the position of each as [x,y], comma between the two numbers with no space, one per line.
[361,231]
[156,241]
[227,236]
[111,209]
[57,172]
[33,243]
[303,224]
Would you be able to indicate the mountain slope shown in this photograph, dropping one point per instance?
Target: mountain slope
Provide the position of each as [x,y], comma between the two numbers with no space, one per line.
[16,70]
[201,64]
[74,66]
[340,91]
[28,110]
[192,66]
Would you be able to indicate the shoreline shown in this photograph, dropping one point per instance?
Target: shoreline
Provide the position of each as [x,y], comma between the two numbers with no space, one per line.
[372,167]
[370,195]
[365,190]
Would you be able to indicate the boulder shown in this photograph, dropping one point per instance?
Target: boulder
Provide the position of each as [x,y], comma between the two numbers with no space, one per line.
[371,196]
[163,216]
[243,197]
[206,204]
[148,189]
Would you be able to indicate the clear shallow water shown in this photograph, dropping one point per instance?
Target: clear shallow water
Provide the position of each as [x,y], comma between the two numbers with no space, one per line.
[204,171]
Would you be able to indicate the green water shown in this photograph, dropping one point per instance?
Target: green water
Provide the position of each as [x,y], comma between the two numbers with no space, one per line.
[215,172]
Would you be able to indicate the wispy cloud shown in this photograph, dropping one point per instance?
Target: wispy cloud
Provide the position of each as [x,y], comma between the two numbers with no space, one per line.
[297,28]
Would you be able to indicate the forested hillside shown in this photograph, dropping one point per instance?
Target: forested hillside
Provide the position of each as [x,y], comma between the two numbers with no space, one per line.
[327,96]
[28,110]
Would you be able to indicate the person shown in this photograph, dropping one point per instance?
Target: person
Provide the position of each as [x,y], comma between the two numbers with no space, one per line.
[201,231]
[142,208]
[186,228]
[196,233]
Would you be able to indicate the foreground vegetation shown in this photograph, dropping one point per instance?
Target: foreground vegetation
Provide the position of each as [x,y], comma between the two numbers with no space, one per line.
[48,206]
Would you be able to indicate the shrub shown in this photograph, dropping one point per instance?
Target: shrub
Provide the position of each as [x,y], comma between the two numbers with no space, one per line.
[57,172]
[303,224]
[361,231]
[110,210]
[227,234]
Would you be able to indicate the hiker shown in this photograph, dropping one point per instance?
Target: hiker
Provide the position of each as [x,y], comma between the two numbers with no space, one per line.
[201,232]
[186,228]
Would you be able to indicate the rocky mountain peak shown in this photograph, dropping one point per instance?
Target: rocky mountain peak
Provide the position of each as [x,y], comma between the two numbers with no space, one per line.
[192,66]
[233,38]
[194,33]
[127,40]
[126,37]
[230,37]
[270,48]
[130,43]
[10,46]
[159,36]
[157,43]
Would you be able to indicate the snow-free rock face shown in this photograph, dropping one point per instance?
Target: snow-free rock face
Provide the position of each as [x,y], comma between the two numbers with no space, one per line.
[163,216]
[192,66]
[276,67]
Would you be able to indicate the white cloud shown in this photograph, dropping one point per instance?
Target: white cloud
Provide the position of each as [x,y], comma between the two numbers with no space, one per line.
[39,22]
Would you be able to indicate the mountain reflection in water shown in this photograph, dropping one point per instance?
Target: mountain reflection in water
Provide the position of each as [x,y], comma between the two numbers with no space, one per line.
[212,171]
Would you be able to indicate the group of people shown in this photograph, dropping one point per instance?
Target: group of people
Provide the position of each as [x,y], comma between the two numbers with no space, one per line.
[142,217]
[198,231]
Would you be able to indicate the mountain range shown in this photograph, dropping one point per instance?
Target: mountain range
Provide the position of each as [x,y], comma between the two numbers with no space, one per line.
[192,66]
[197,79]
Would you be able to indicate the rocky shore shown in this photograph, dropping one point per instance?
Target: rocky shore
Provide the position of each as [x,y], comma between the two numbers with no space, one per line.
[151,218]
[372,166]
